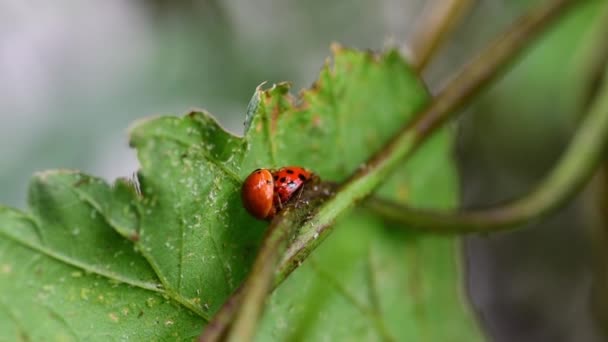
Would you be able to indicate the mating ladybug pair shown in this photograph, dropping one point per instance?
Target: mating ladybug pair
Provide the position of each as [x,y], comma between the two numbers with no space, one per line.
[265,191]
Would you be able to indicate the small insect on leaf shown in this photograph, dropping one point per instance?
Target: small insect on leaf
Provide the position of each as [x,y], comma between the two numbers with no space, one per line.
[265,191]
[257,194]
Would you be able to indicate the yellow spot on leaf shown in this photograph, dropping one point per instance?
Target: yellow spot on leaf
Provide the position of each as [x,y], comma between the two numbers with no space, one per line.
[402,193]
[84,293]
[113,317]
[6,269]
[150,302]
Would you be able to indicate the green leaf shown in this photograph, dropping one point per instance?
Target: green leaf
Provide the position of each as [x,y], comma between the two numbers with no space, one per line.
[182,237]
[64,224]
[72,278]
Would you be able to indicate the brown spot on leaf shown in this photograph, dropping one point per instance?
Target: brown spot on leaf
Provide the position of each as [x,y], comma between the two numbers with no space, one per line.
[403,193]
[274,116]
[134,237]
[316,121]
[82,181]
[415,286]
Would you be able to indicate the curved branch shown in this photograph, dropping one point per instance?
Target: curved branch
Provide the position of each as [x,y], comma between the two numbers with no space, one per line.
[596,71]
[259,282]
[439,19]
[573,171]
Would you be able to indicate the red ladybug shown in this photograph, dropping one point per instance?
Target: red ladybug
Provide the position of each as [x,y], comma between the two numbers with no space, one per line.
[287,180]
[257,194]
[265,191]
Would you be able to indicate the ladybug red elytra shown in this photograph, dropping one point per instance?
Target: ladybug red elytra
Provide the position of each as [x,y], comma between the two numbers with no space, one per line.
[257,194]
[287,180]
[265,191]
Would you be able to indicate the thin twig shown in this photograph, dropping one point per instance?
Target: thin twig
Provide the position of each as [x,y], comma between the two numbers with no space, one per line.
[259,282]
[218,326]
[597,59]
[440,17]
[242,310]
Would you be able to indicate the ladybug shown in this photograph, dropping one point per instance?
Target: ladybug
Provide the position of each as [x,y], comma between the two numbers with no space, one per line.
[265,191]
[287,180]
[257,194]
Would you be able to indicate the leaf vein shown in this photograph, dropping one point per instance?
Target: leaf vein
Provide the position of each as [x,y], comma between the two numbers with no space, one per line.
[85,267]
[337,286]
[22,331]
[229,173]
[223,262]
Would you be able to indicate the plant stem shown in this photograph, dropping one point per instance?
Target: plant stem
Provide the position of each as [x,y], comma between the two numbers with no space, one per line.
[244,306]
[439,19]
[596,72]
[575,168]
[474,77]
[259,283]
[582,156]
[597,58]
[242,310]
[218,326]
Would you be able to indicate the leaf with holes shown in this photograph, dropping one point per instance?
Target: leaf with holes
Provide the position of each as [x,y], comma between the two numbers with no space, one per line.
[154,260]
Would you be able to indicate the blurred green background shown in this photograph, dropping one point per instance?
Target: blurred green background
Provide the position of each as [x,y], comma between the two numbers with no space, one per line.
[74,75]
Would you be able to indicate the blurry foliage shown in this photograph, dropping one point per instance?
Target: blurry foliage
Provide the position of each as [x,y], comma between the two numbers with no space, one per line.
[532,284]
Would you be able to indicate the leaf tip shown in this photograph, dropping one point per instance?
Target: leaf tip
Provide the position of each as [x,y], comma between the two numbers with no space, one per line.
[336,48]
[260,87]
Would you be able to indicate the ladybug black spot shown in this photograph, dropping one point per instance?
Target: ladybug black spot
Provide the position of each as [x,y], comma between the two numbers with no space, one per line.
[289,171]
[276,178]
[257,170]
[283,179]
[268,182]
[301,176]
